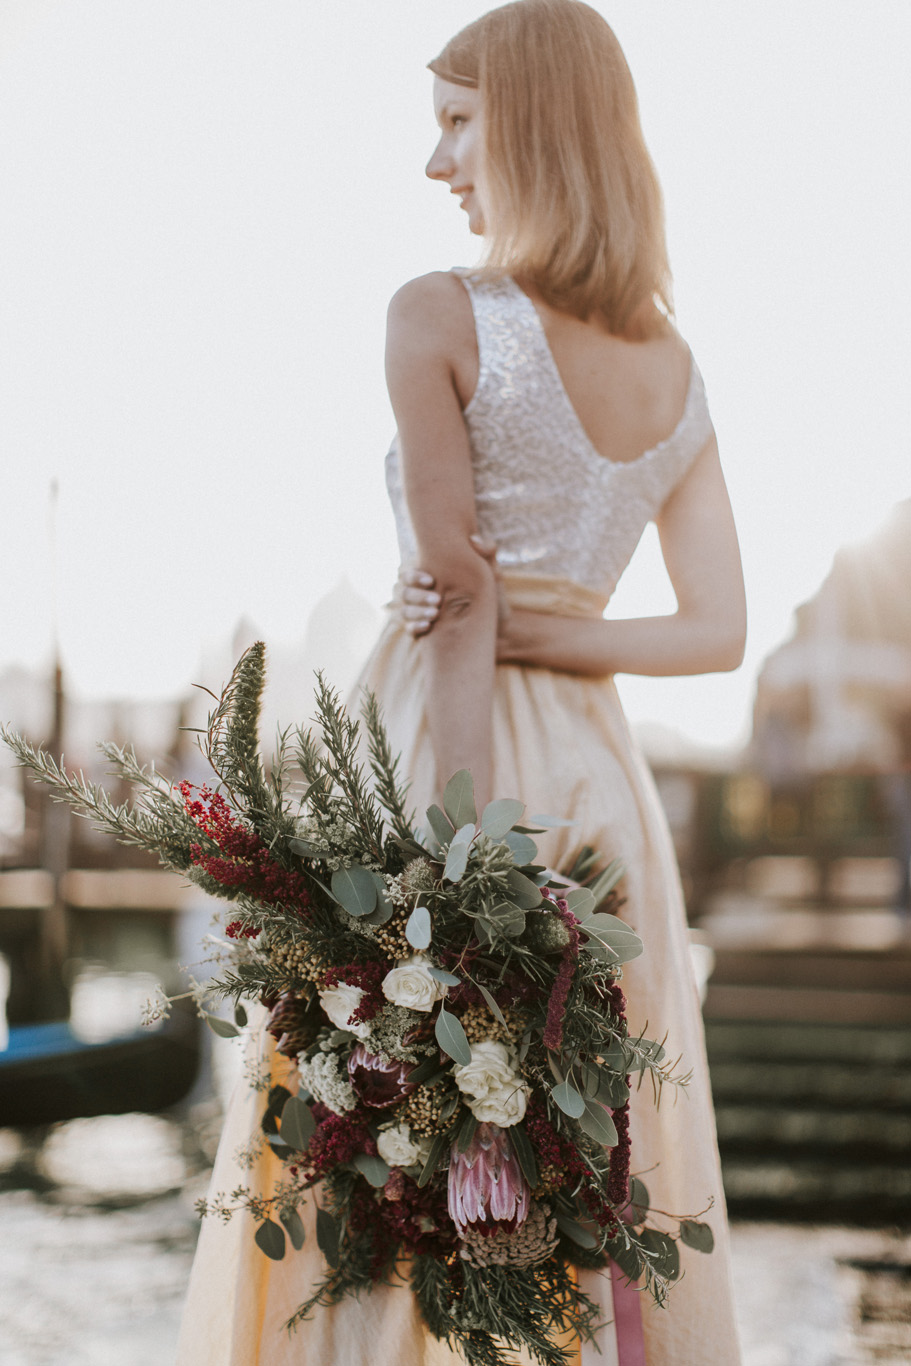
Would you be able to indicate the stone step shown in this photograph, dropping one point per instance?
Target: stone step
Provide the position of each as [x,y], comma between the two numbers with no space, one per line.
[812,1005]
[837,1086]
[869,1045]
[813,969]
[785,1188]
[875,1135]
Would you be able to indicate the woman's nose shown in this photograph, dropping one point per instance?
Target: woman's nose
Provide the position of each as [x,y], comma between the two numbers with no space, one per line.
[440,166]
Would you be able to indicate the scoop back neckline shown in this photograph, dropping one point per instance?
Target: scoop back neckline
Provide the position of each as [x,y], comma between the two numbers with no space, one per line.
[590,447]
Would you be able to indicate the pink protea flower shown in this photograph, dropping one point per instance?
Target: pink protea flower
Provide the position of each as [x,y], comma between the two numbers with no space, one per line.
[378,1082]
[487,1190]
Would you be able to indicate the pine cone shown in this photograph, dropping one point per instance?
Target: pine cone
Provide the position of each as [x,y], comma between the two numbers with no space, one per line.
[533,1241]
[292,1025]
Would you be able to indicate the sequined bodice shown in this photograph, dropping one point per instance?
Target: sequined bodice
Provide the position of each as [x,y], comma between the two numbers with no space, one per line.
[544,495]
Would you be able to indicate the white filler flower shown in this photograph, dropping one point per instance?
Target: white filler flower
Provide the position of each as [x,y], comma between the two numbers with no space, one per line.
[494,1090]
[400,1147]
[410,984]
[323,1077]
[340,1003]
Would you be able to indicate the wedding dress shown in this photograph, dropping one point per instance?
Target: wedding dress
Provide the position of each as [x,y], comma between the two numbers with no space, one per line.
[566,521]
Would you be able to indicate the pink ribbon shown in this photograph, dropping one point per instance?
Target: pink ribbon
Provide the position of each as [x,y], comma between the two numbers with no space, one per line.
[627,1319]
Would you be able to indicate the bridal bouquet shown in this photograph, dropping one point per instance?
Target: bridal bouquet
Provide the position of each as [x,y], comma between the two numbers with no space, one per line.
[459,1058]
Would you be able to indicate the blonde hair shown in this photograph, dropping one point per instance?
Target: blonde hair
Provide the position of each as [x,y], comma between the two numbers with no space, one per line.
[573,200]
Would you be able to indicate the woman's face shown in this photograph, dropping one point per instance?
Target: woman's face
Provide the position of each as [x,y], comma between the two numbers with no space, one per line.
[458,155]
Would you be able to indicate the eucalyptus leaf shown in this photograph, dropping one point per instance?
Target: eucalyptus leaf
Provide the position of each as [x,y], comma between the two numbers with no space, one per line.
[450,1107]
[574,1230]
[451,1037]
[323,887]
[639,1199]
[525,1153]
[550,822]
[610,939]
[696,1235]
[434,1157]
[491,1004]
[280,1147]
[523,849]
[509,919]
[581,902]
[355,889]
[628,1258]
[294,1227]
[483,931]
[240,1015]
[270,1239]
[522,890]
[458,799]
[269,1122]
[373,1168]
[649,1051]
[223,1028]
[278,1098]
[384,911]
[412,849]
[568,1099]
[665,1250]
[328,1235]
[439,824]
[456,861]
[298,1124]
[430,1067]
[612,1090]
[501,815]
[597,1123]
[426,842]
[607,880]
[605,1085]
[418,928]
[447,978]
[467,1130]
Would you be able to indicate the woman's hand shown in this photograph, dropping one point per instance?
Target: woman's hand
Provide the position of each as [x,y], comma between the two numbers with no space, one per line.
[415,600]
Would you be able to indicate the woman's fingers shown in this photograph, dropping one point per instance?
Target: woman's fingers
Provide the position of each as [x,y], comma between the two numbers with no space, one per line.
[416,602]
[486,549]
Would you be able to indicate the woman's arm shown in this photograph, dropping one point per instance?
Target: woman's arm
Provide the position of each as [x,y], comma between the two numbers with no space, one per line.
[705,634]
[427,326]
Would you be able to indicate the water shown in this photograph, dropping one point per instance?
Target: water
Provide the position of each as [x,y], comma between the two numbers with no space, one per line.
[99,1230]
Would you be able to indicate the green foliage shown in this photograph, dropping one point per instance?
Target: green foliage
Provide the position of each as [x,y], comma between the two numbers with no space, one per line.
[270,1239]
[468,896]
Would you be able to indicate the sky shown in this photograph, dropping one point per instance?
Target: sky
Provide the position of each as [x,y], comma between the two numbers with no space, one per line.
[206,206]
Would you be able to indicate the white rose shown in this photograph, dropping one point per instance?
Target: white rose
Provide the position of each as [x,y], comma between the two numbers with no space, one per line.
[340,1003]
[401,1148]
[495,1092]
[411,985]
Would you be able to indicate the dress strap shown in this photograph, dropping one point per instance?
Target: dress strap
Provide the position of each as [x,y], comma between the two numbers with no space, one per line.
[510,340]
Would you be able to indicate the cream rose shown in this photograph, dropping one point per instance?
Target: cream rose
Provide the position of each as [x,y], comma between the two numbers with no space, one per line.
[494,1090]
[400,1147]
[411,985]
[340,1003]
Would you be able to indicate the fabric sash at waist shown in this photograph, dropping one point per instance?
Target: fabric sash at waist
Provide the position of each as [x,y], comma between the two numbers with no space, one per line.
[549,593]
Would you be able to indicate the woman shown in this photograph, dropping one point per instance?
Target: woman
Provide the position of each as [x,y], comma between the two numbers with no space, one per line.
[548,405]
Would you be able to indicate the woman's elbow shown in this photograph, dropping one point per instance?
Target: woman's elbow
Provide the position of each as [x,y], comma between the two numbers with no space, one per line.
[729,647]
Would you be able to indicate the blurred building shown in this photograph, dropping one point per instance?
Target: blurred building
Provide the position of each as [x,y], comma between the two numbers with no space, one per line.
[837,694]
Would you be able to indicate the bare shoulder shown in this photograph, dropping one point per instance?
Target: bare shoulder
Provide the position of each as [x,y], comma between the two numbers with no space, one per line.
[434,308]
